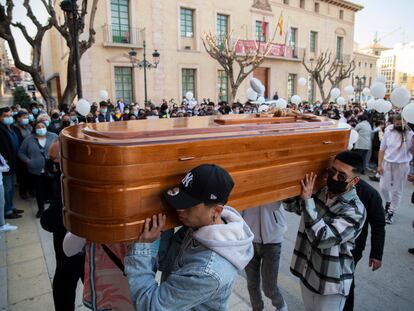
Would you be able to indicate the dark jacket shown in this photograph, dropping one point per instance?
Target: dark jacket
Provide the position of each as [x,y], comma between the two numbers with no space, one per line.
[375,219]
[104,118]
[6,147]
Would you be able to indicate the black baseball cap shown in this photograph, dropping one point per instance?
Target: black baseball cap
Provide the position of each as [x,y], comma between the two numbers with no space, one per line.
[207,183]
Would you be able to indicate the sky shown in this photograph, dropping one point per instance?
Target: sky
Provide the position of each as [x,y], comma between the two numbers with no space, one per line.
[382,16]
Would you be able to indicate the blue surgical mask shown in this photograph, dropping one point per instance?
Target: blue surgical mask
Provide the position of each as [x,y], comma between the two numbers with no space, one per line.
[104,111]
[35,111]
[31,117]
[46,122]
[8,121]
[73,118]
[24,121]
[41,132]
[14,113]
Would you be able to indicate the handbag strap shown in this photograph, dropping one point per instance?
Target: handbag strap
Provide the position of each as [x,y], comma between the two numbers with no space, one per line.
[114,258]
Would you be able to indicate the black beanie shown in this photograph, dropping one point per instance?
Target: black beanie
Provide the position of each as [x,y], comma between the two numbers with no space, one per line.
[351,158]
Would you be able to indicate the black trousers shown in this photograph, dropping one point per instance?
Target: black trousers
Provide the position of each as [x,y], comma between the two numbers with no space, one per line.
[41,185]
[349,303]
[68,272]
[24,179]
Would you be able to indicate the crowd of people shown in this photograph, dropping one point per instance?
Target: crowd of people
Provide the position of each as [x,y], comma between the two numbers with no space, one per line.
[199,262]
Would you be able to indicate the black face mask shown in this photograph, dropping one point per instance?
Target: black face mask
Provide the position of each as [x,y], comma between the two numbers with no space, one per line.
[336,186]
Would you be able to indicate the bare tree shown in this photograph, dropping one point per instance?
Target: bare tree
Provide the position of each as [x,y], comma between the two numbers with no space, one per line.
[236,65]
[327,68]
[35,42]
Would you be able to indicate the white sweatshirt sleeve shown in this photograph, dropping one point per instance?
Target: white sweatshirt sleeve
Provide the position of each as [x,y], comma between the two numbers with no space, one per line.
[73,244]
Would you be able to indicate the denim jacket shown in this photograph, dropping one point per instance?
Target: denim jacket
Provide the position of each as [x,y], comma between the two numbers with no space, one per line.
[199,267]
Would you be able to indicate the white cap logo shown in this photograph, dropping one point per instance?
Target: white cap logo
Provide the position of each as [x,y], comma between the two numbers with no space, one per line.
[187,179]
[213,197]
[173,192]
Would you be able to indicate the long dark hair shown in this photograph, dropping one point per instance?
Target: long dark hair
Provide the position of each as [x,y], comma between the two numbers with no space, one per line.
[404,128]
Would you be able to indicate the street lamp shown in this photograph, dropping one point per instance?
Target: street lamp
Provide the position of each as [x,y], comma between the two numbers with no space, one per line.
[144,64]
[70,7]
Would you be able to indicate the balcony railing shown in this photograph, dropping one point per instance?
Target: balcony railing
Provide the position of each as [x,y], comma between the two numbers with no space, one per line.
[115,35]
[275,50]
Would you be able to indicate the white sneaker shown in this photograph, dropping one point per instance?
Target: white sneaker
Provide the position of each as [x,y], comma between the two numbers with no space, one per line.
[7,227]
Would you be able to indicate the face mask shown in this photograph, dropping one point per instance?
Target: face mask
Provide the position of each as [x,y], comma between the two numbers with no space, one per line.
[73,118]
[8,121]
[336,186]
[126,111]
[104,110]
[135,112]
[46,122]
[31,117]
[24,122]
[14,113]
[41,132]
[35,111]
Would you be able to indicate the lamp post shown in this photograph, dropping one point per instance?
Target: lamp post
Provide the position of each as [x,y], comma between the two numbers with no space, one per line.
[70,7]
[144,64]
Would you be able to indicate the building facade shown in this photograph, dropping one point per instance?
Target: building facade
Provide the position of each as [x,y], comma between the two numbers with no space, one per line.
[175,29]
[397,65]
[365,73]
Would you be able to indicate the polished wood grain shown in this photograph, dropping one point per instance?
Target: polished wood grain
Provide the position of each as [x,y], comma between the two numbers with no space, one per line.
[114,173]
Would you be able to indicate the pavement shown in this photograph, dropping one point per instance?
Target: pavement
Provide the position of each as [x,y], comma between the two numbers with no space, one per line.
[6,100]
[27,265]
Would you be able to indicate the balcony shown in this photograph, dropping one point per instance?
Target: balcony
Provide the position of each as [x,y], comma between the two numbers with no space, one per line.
[120,36]
[276,51]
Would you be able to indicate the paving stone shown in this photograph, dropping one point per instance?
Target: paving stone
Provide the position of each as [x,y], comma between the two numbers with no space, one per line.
[27,269]
[20,238]
[24,253]
[3,258]
[23,289]
[39,303]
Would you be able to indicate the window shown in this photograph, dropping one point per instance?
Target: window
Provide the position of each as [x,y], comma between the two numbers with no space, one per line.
[222,85]
[120,21]
[291,85]
[359,64]
[302,4]
[187,22]
[261,31]
[339,47]
[222,28]
[292,38]
[404,78]
[341,14]
[311,90]
[188,77]
[313,41]
[123,83]
[317,7]
[370,66]
[286,2]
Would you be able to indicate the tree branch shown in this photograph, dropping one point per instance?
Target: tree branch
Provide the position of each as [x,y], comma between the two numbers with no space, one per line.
[24,31]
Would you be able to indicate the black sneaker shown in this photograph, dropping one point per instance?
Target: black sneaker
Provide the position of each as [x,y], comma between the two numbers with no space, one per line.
[411,251]
[390,218]
[387,208]
[374,178]
[12,216]
[18,211]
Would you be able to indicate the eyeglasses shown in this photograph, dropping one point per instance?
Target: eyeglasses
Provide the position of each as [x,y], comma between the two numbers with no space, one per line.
[341,176]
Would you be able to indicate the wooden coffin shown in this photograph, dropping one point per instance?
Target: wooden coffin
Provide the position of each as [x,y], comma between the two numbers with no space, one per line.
[114,173]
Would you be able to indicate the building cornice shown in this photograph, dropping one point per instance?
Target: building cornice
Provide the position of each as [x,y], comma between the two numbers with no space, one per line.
[345,4]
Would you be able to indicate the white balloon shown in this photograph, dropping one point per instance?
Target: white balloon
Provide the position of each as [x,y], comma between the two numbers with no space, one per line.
[381,79]
[349,90]
[344,125]
[408,113]
[335,93]
[353,137]
[261,100]
[257,85]
[83,107]
[341,101]
[296,99]
[400,97]
[103,95]
[366,91]
[394,86]
[387,106]
[281,103]
[251,94]
[189,95]
[378,90]
[379,105]
[302,81]
[371,104]
[263,108]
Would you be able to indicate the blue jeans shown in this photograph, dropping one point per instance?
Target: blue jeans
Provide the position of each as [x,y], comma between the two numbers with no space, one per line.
[9,181]
[2,222]
[264,266]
